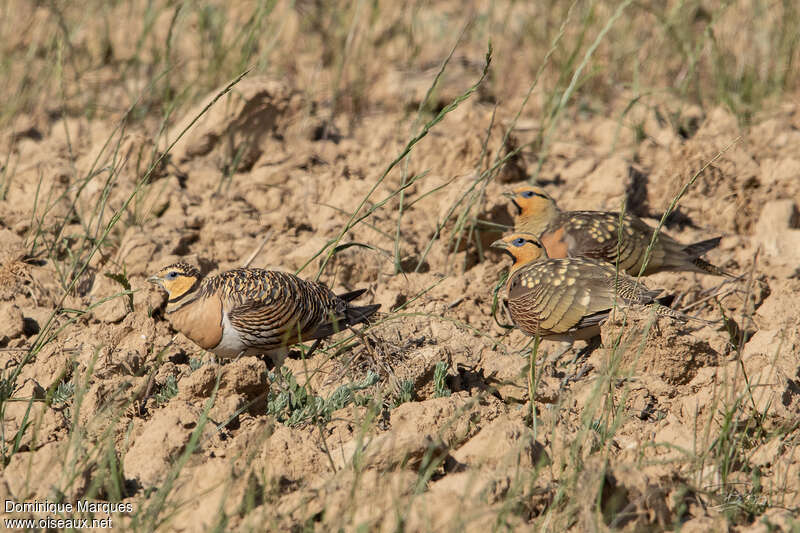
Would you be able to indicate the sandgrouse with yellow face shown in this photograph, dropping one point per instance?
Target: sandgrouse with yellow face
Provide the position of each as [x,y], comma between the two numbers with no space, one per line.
[254,311]
[596,235]
[565,299]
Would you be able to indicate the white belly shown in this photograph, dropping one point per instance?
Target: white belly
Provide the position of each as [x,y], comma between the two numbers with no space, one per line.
[231,345]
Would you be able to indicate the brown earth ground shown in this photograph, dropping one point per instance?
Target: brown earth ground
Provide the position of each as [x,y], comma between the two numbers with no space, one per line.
[664,426]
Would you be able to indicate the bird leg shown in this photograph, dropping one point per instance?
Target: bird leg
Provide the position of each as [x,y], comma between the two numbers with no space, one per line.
[313,348]
[591,345]
[566,346]
[582,371]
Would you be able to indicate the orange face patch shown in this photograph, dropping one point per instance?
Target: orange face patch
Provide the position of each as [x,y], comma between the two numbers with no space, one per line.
[533,205]
[178,286]
[530,251]
[525,254]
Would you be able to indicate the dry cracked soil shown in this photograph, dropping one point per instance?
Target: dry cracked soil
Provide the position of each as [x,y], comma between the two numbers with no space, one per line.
[424,420]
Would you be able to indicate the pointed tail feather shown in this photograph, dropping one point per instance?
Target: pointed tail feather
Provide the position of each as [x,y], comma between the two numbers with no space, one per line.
[666,301]
[357,315]
[674,314]
[663,308]
[352,295]
[699,248]
[352,316]
[707,267]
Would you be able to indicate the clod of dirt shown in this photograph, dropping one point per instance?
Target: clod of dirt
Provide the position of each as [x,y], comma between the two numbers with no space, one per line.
[781,308]
[452,418]
[246,376]
[390,450]
[114,349]
[11,322]
[159,442]
[467,499]
[205,487]
[507,375]
[116,306]
[609,181]
[242,387]
[35,472]
[628,498]
[416,433]
[52,364]
[137,251]
[107,397]
[668,351]
[472,485]
[49,422]
[198,384]
[285,455]
[362,497]
[769,357]
[13,269]
[502,442]
[775,232]
[249,122]
[732,176]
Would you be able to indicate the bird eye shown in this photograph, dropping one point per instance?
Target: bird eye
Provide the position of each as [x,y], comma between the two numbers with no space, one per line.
[519,241]
[527,194]
[171,275]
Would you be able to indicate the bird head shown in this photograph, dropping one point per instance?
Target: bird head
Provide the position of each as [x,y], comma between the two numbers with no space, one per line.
[535,208]
[524,248]
[177,279]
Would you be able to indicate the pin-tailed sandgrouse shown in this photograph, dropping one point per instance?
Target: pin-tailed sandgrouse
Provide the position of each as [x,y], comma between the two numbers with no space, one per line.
[566,299]
[254,311]
[597,235]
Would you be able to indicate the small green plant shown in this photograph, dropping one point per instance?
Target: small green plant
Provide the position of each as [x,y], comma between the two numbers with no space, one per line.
[405,394]
[195,363]
[168,390]
[440,389]
[6,388]
[292,404]
[63,392]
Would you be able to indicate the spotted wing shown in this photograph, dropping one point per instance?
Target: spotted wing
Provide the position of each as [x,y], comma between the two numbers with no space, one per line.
[597,235]
[559,296]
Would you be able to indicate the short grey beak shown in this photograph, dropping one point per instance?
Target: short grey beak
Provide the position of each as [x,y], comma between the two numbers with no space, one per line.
[154,279]
[499,243]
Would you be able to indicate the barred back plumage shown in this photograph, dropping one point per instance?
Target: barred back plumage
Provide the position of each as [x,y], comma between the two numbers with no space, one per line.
[251,310]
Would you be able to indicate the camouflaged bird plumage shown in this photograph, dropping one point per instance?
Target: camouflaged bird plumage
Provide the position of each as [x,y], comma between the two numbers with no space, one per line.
[599,235]
[566,298]
[251,310]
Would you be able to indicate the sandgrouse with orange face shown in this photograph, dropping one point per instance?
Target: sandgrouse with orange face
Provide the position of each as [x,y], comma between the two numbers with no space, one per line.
[566,299]
[253,311]
[597,235]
